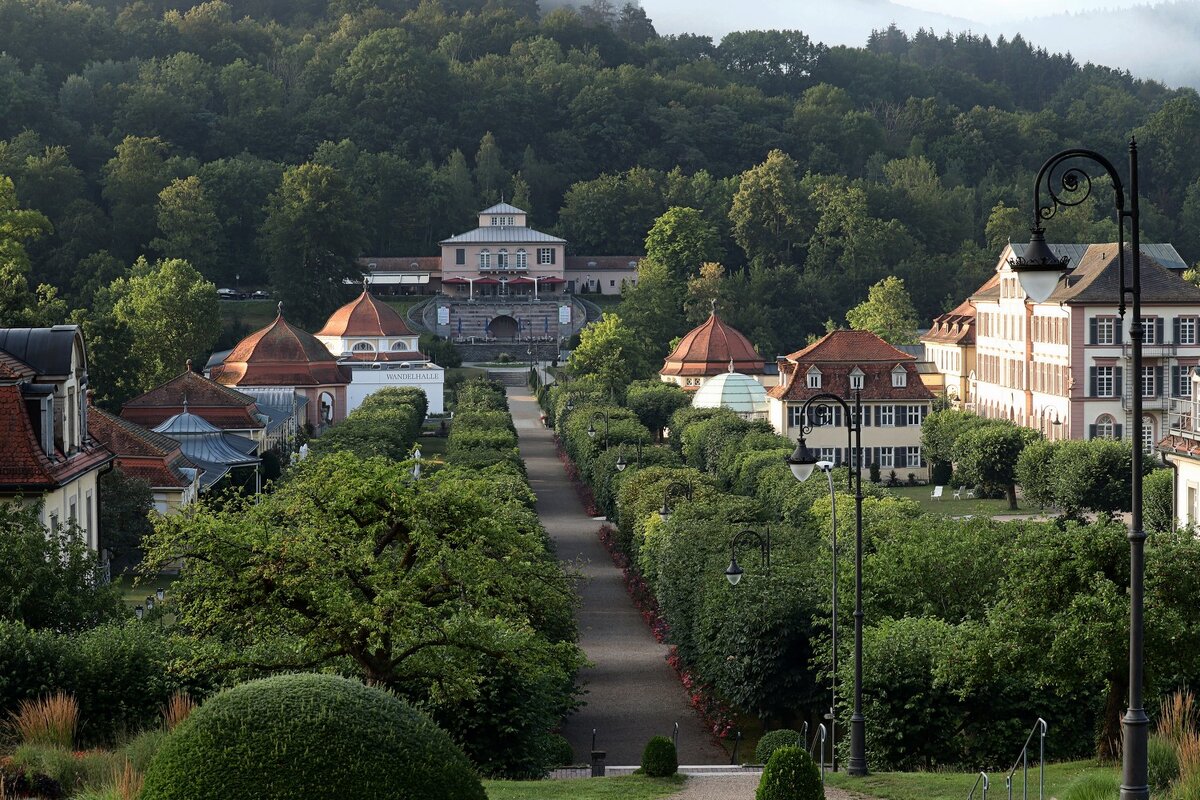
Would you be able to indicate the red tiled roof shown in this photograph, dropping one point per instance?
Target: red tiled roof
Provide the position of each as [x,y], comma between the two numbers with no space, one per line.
[855,346]
[158,474]
[224,407]
[14,369]
[708,349]
[25,464]
[280,355]
[140,452]
[365,316]
[953,327]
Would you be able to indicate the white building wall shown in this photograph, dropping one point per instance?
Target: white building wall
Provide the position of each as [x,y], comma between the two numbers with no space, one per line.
[367,380]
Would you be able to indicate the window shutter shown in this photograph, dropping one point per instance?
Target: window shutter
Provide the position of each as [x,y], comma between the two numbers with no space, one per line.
[1158,381]
[1092,383]
[1093,324]
[1118,330]
[901,416]
[878,412]
[899,457]
[553,254]
[874,455]
[1158,329]
[1091,431]
[1118,374]
[1117,431]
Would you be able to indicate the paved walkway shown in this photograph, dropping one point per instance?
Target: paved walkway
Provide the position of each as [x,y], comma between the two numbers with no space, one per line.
[632,694]
[740,787]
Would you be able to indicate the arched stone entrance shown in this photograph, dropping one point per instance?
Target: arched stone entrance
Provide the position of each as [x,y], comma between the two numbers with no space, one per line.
[503,327]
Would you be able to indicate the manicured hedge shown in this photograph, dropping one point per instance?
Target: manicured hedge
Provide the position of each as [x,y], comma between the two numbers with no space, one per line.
[304,735]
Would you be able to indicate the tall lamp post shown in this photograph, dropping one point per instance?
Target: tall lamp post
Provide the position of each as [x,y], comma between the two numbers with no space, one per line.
[673,489]
[802,462]
[622,463]
[734,572]
[1039,271]
[1043,415]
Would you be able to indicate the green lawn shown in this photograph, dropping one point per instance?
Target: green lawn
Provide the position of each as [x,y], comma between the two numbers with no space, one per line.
[957,508]
[626,787]
[955,785]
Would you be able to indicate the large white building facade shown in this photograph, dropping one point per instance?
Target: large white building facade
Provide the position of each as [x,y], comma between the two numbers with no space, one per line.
[1064,366]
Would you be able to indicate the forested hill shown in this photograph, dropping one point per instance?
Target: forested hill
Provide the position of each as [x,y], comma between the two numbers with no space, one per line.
[226,133]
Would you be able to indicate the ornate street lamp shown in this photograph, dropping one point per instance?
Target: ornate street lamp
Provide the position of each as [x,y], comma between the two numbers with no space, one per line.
[734,572]
[591,430]
[673,489]
[1069,185]
[802,462]
[622,463]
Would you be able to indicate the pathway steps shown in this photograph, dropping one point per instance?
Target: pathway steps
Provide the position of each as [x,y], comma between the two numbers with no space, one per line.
[631,691]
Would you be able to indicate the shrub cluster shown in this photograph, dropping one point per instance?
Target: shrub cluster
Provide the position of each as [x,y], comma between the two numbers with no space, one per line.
[387,423]
[773,740]
[659,759]
[790,774]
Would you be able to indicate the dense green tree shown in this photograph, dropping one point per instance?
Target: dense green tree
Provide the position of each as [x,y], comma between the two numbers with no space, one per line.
[1078,476]
[654,402]
[188,226]
[313,234]
[612,352]
[21,306]
[770,212]
[171,313]
[1159,496]
[133,179]
[704,291]
[887,312]
[491,178]
[987,455]
[652,308]
[682,240]
[126,503]
[51,578]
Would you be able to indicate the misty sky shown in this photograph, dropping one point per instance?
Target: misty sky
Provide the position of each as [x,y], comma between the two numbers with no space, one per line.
[1115,37]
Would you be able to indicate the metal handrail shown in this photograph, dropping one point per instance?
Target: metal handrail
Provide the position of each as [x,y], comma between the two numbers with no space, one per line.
[1022,761]
[982,777]
[820,734]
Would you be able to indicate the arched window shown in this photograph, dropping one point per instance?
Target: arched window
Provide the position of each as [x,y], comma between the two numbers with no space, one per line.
[522,259]
[1106,427]
[363,347]
[502,258]
[401,346]
[1148,437]
[485,259]
[325,402]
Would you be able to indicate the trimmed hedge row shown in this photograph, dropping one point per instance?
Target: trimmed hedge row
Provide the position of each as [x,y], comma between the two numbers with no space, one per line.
[387,423]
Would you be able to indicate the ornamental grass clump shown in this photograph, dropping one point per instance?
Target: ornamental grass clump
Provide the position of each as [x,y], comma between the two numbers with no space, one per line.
[1163,762]
[1177,716]
[309,736]
[773,740]
[659,759]
[177,709]
[48,721]
[790,774]
[1093,786]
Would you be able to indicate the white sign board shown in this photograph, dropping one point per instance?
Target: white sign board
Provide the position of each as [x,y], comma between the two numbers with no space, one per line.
[564,315]
[443,315]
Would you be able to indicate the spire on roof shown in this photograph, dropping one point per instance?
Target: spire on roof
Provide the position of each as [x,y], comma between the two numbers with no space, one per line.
[188,365]
[731,363]
[366,283]
[279,309]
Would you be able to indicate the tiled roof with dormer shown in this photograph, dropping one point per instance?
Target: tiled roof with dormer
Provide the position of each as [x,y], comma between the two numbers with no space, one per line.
[222,406]
[1096,279]
[853,346]
[954,327]
[24,465]
[141,452]
[838,354]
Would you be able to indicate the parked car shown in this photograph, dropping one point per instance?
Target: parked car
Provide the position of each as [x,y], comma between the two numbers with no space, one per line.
[227,294]
[260,295]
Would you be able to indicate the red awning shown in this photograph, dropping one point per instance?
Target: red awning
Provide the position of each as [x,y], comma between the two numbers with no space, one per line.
[487,282]
[519,281]
[454,282]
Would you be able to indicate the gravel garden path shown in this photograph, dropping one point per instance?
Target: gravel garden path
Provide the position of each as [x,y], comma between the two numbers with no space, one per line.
[631,692]
[740,787]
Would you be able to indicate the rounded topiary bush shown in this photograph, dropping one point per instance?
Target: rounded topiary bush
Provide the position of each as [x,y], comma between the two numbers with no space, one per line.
[659,759]
[790,774]
[773,740]
[560,750]
[309,736]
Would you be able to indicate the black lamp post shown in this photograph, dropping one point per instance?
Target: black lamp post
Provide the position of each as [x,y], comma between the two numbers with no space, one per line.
[734,572]
[622,463]
[1039,271]
[802,462]
[673,489]
[591,431]
[1042,417]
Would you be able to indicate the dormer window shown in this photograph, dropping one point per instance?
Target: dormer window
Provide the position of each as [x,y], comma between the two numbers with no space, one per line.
[856,379]
[899,377]
[814,378]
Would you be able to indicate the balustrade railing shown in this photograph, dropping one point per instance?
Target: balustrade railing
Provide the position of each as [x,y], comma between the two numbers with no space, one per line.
[1039,729]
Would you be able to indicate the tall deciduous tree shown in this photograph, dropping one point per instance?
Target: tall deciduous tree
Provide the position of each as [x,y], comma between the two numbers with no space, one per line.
[312,236]
[703,291]
[188,226]
[887,312]
[770,212]
[172,315]
[133,177]
[125,505]
[987,456]
[652,308]
[19,305]
[491,178]
[681,240]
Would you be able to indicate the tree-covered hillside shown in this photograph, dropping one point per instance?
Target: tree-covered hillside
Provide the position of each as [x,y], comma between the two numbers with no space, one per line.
[228,133]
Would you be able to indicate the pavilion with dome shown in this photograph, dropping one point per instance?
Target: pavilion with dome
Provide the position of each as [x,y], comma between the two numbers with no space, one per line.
[740,393]
[714,348]
[372,341]
[283,356]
